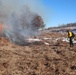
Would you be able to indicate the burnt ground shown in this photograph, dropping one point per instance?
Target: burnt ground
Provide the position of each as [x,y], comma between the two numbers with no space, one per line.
[37,59]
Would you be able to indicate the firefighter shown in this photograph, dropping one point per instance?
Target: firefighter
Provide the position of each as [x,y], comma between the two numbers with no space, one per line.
[70,36]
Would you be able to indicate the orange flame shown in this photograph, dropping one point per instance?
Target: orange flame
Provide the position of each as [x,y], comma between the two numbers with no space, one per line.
[1,27]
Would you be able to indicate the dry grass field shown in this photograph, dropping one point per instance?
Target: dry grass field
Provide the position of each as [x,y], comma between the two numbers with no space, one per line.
[57,58]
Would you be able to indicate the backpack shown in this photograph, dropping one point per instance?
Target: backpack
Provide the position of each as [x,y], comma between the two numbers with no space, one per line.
[73,35]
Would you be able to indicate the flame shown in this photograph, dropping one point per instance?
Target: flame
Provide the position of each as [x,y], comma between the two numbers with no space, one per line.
[1,27]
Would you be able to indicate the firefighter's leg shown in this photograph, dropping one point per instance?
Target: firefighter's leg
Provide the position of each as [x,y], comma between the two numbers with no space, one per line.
[71,42]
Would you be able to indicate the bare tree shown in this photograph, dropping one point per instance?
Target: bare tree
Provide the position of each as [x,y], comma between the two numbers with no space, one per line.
[37,22]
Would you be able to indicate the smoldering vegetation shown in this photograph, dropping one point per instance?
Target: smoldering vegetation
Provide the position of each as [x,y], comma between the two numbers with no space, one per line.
[18,25]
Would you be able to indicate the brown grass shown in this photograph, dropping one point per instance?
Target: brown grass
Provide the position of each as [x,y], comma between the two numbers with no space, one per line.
[37,59]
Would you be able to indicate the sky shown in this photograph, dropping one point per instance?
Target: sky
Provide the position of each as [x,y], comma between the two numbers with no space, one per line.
[53,12]
[63,12]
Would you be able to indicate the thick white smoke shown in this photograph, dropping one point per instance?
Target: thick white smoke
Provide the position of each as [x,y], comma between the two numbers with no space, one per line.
[18,25]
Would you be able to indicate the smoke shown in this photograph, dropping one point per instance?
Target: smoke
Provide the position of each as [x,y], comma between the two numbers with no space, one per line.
[18,24]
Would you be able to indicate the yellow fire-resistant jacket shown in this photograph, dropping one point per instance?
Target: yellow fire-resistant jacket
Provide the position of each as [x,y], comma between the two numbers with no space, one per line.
[70,34]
